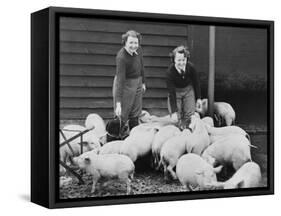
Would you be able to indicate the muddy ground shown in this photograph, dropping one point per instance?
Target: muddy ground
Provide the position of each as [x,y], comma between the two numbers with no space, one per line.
[148,181]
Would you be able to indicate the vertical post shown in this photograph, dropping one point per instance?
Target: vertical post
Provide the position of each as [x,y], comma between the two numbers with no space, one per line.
[81,141]
[211,80]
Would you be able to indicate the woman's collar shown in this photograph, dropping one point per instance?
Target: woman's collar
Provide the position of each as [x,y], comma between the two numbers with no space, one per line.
[130,53]
[178,69]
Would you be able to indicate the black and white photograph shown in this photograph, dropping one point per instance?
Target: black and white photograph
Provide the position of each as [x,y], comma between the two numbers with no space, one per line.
[158,107]
[140,107]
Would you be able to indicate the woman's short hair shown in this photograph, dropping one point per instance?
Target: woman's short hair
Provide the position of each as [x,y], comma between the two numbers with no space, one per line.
[131,33]
[182,50]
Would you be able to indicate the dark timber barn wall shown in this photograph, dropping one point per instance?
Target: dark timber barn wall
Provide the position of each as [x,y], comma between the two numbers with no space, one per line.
[88,50]
[87,65]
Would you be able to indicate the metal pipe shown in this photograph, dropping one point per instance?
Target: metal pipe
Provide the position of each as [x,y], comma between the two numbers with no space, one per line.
[211,78]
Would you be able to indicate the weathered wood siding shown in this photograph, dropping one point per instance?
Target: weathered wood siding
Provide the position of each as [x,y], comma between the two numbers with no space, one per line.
[88,48]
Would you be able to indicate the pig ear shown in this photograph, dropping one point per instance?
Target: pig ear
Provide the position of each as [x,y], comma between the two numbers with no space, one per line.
[87,160]
[218,169]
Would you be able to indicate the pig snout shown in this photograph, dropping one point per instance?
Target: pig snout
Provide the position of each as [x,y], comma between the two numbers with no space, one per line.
[207,177]
[80,162]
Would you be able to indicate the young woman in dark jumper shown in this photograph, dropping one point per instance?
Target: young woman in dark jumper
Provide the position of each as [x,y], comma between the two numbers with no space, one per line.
[129,81]
[184,92]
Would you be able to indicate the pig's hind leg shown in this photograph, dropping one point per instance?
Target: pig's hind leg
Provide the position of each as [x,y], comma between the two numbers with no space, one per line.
[164,164]
[127,179]
[172,172]
[165,172]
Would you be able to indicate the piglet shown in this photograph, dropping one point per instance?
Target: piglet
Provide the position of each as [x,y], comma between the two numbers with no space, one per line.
[233,149]
[90,142]
[96,123]
[107,165]
[160,138]
[139,142]
[199,139]
[223,111]
[193,172]
[218,131]
[171,151]
[145,117]
[113,147]
[248,176]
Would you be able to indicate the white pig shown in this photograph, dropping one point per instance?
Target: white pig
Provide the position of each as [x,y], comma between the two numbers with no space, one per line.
[96,122]
[193,172]
[248,176]
[199,139]
[160,138]
[171,151]
[107,165]
[145,117]
[90,142]
[214,138]
[223,111]
[138,143]
[232,149]
[113,147]
[227,130]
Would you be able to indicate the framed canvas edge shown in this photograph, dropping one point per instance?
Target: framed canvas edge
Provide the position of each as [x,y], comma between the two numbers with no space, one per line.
[55,12]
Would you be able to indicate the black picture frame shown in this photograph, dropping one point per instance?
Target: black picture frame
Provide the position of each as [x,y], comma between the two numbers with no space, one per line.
[45,106]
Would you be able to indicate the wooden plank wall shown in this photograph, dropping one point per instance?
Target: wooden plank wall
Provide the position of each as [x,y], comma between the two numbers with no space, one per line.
[88,49]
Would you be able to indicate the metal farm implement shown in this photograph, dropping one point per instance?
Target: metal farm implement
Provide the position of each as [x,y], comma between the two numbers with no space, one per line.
[67,142]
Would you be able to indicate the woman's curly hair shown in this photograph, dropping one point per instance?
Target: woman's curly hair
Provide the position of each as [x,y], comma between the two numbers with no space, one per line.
[131,33]
[180,49]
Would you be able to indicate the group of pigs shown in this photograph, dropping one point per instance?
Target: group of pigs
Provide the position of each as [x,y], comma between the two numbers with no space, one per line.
[193,155]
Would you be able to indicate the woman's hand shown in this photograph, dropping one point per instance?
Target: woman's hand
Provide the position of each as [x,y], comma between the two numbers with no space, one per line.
[174,117]
[143,88]
[118,109]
